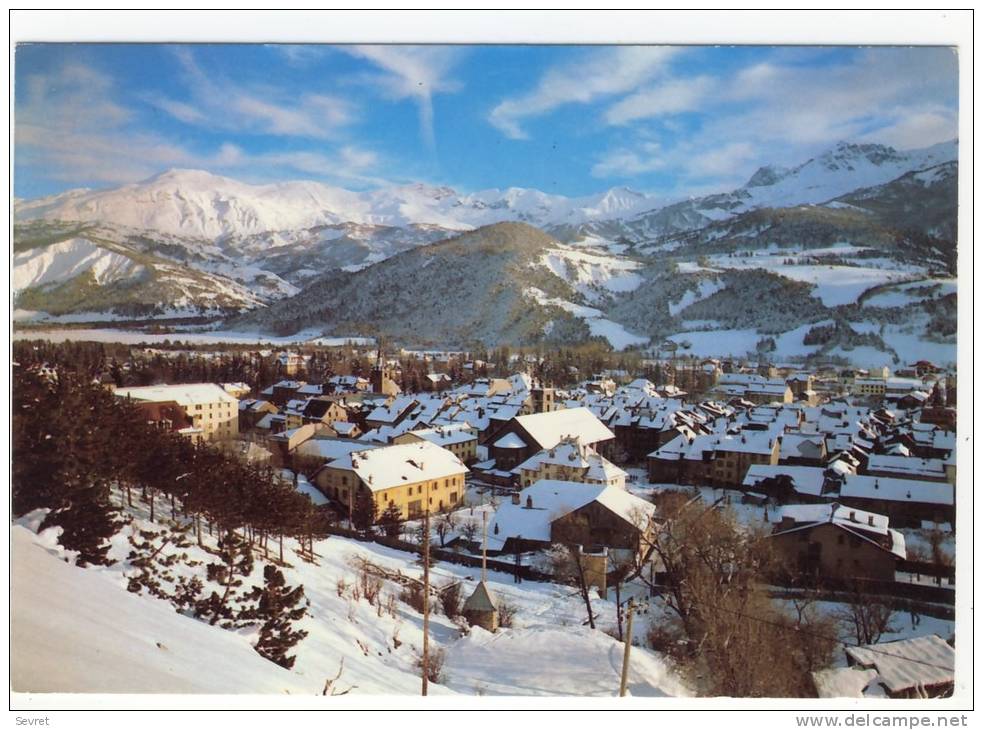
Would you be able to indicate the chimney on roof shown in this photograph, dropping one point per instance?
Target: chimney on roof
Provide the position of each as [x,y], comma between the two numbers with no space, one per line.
[515,498]
[529,501]
[870,520]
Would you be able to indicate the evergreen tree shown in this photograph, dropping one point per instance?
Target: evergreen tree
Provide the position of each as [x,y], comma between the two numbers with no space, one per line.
[87,520]
[364,510]
[391,520]
[235,559]
[155,553]
[278,608]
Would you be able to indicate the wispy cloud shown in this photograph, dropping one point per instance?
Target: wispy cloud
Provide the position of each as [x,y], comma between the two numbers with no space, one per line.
[670,97]
[71,126]
[623,162]
[780,110]
[218,102]
[601,74]
[413,72]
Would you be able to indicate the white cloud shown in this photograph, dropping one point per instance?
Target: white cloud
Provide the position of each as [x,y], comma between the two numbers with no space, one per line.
[219,103]
[412,72]
[782,111]
[603,73]
[913,128]
[670,97]
[624,162]
[721,161]
[69,127]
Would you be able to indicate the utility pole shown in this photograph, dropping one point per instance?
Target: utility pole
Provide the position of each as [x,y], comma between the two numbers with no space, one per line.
[624,664]
[484,545]
[426,593]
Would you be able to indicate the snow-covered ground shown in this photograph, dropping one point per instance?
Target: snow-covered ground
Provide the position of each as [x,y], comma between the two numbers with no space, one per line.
[593,273]
[616,334]
[75,630]
[902,294]
[62,261]
[92,623]
[196,338]
[706,288]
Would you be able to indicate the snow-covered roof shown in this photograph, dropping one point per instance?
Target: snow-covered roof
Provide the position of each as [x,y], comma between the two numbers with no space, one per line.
[572,453]
[906,465]
[897,490]
[552,499]
[510,441]
[387,414]
[391,466]
[457,433]
[332,449]
[747,442]
[908,663]
[481,599]
[805,479]
[865,525]
[343,427]
[566,453]
[313,493]
[844,682]
[185,394]
[549,428]
[266,421]
[836,513]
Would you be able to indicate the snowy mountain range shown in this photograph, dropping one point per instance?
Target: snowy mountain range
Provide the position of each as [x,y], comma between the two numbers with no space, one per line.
[188,242]
[199,205]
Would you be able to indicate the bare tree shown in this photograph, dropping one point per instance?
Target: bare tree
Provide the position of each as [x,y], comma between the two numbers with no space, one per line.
[864,617]
[470,530]
[736,642]
[445,524]
[564,562]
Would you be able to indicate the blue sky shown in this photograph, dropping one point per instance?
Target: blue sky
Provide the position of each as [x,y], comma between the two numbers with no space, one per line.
[572,120]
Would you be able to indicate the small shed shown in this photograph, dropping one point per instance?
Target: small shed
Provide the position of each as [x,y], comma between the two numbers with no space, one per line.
[480,608]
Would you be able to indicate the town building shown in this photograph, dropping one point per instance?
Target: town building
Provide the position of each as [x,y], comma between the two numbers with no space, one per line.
[413,477]
[522,436]
[838,542]
[570,461]
[590,515]
[212,410]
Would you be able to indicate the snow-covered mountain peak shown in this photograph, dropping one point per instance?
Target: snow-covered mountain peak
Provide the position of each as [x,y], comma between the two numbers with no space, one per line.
[767,175]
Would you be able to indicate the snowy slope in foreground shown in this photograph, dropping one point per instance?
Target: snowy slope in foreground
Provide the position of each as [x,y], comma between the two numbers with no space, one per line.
[74,630]
[79,630]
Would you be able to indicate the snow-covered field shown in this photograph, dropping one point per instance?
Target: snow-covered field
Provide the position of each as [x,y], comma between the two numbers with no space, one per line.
[616,334]
[902,294]
[79,629]
[194,338]
[593,273]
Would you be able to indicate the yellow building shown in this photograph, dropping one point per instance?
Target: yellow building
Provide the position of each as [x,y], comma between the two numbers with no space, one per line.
[411,476]
[210,408]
